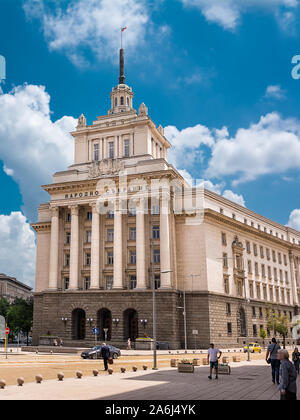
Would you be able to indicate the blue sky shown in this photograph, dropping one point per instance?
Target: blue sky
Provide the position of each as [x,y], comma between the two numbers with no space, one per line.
[216,74]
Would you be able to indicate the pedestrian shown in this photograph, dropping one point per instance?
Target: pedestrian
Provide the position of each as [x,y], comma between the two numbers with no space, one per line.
[128,344]
[105,354]
[61,343]
[288,385]
[296,359]
[213,358]
[55,343]
[272,359]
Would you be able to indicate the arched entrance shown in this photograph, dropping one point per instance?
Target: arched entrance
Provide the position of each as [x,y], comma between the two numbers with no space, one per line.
[241,321]
[104,320]
[78,324]
[131,324]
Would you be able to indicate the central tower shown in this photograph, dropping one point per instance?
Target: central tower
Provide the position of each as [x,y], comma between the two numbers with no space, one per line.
[121,95]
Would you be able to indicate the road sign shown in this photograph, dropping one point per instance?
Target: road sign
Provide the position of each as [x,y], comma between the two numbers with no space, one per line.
[2,327]
[95,331]
[7,330]
[195,332]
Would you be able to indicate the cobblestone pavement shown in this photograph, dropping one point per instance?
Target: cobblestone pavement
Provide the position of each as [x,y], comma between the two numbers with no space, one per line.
[248,381]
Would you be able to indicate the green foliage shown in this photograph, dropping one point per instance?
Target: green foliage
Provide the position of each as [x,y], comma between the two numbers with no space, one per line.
[263,333]
[4,306]
[20,316]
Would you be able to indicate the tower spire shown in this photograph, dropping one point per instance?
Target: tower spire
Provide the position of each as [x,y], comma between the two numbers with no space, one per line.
[122,66]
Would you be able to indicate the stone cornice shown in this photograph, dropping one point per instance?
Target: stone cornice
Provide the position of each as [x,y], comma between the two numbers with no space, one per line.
[41,226]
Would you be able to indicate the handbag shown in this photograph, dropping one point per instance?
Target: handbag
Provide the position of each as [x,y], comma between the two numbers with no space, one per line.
[110,361]
[269,359]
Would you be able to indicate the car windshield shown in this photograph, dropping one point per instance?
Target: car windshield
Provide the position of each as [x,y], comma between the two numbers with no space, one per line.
[96,348]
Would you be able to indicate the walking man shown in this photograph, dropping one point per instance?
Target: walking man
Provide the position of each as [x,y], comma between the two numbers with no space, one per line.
[105,354]
[288,386]
[272,359]
[213,359]
[296,359]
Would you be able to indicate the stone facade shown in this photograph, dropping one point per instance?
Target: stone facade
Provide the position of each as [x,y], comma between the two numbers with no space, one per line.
[121,219]
[11,288]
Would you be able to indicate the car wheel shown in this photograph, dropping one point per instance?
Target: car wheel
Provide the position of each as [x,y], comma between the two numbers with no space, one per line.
[115,356]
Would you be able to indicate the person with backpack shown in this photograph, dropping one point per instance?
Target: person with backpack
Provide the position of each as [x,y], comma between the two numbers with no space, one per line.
[272,359]
[288,385]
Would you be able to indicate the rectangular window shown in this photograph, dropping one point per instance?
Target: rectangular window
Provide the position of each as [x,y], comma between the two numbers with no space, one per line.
[268,253]
[87,258]
[256,269]
[279,258]
[110,258]
[67,260]
[157,281]
[258,295]
[68,217]
[226,285]
[110,214]
[251,292]
[286,277]
[88,236]
[132,282]
[271,293]
[277,294]
[110,235]
[229,328]
[96,151]
[111,150]
[282,296]
[249,267]
[253,312]
[224,241]
[240,288]
[109,282]
[265,293]
[284,260]
[260,313]
[126,148]
[132,212]
[275,274]
[288,296]
[274,256]
[89,215]
[269,273]
[248,247]
[263,270]
[132,257]
[261,249]
[280,275]
[255,249]
[156,256]
[254,331]
[68,238]
[155,232]
[87,283]
[228,309]
[132,234]
[225,260]
[66,283]
[155,209]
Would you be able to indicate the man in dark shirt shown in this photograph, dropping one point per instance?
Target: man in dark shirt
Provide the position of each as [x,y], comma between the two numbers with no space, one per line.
[105,354]
[275,363]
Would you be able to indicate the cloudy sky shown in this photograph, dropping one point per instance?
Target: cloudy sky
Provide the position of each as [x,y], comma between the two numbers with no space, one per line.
[217,74]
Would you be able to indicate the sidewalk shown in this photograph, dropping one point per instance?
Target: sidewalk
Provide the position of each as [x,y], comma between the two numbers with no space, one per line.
[249,381]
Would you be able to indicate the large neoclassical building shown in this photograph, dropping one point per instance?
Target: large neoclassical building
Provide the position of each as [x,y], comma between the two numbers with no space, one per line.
[121,220]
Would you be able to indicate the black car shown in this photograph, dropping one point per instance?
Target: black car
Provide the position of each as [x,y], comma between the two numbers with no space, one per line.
[95,353]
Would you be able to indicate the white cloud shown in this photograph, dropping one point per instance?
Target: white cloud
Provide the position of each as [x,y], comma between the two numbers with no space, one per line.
[275,92]
[31,145]
[8,171]
[92,25]
[268,147]
[236,198]
[294,220]
[17,245]
[227,13]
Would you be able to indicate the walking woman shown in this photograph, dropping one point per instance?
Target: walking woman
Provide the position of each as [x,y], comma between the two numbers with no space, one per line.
[296,359]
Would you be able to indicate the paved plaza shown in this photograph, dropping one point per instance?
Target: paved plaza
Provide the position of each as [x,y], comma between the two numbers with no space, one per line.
[248,381]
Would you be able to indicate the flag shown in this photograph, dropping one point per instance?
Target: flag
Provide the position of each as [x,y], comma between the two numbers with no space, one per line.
[123,29]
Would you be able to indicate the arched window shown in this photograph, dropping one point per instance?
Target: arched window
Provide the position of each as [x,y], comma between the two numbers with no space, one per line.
[122,100]
[116,101]
[127,101]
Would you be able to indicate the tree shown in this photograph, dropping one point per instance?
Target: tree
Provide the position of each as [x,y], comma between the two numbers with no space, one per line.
[263,335]
[4,306]
[279,323]
[20,316]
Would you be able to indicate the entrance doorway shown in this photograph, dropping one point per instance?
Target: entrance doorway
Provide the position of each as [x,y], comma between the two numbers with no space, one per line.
[104,320]
[131,324]
[78,324]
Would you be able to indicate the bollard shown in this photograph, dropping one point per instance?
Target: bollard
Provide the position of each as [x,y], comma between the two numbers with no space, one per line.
[145,367]
[123,370]
[79,374]
[95,372]
[134,368]
[110,371]
[38,379]
[2,383]
[60,376]
[20,381]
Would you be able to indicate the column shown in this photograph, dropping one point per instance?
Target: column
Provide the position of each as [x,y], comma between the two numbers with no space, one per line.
[140,247]
[294,291]
[53,266]
[74,248]
[165,248]
[95,248]
[118,266]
